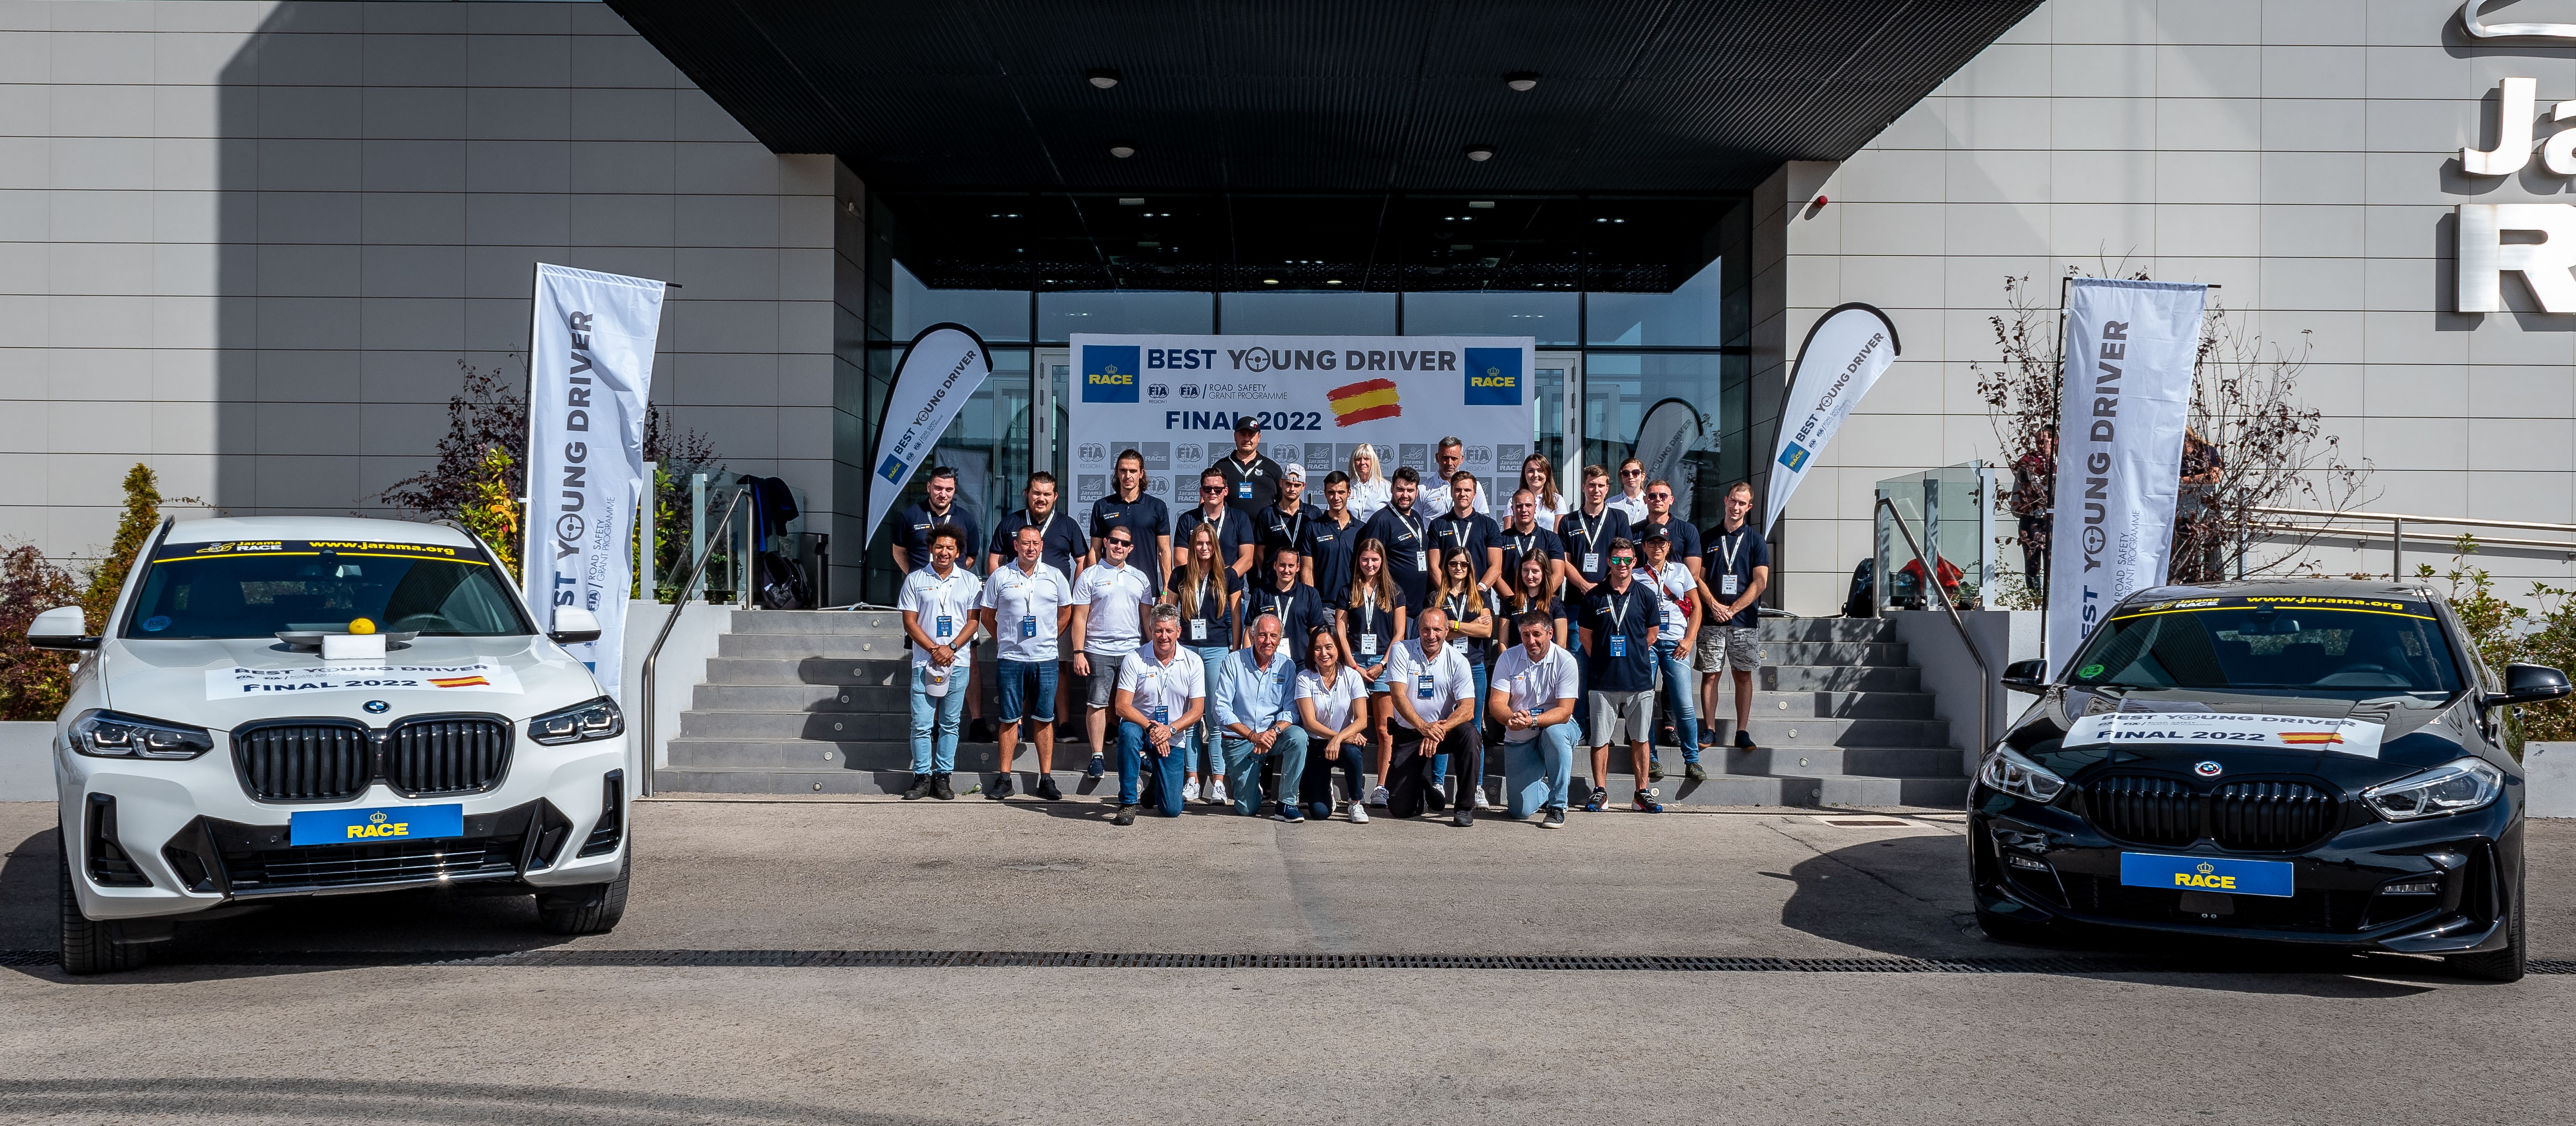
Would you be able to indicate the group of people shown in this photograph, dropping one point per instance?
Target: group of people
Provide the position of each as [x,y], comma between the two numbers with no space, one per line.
[1253,647]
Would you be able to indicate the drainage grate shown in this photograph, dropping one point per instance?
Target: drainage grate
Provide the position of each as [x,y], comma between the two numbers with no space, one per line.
[1093,959]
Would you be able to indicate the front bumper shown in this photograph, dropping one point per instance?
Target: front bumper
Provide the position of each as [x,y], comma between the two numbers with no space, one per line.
[192,839]
[2359,889]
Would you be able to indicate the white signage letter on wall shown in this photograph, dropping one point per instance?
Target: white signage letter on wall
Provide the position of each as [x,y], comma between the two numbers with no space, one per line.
[2484,255]
[2513,134]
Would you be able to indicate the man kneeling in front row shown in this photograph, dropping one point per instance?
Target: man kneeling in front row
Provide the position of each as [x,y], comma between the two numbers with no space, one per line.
[1162,690]
[1435,714]
[1256,705]
[1535,686]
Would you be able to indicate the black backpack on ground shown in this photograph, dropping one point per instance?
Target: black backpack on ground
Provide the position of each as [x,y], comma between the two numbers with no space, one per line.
[1862,601]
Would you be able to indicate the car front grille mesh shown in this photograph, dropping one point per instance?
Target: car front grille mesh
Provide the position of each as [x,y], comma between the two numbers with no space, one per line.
[446,756]
[2247,816]
[2158,811]
[2269,816]
[314,761]
[327,760]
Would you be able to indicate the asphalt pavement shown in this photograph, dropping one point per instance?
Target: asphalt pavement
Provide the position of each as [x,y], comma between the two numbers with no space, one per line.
[1814,964]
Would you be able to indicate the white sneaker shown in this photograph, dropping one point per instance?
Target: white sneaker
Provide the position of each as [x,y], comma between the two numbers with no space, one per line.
[1359,813]
[1216,791]
[1477,798]
[1190,790]
[1377,796]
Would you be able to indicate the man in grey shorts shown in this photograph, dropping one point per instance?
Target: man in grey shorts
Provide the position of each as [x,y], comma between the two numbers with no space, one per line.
[1738,565]
[1620,618]
[1110,600]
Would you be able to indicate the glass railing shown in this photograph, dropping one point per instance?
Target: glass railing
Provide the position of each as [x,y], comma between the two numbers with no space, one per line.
[1949,507]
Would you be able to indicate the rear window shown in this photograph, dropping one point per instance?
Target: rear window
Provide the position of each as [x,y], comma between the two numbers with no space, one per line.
[260,588]
[2293,642]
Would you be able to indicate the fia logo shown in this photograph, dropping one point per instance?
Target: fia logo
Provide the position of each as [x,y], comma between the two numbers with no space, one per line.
[1157,392]
[1189,390]
[1094,451]
[1189,452]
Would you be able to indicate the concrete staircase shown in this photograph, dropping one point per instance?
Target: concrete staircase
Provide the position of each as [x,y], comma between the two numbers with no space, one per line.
[803,702]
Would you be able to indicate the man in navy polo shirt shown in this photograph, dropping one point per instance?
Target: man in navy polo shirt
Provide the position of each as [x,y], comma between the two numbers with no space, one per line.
[1331,538]
[1620,620]
[1730,640]
[1143,515]
[1282,526]
[1464,531]
[1251,478]
[1659,521]
[1237,532]
[1407,537]
[941,510]
[1522,538]
[1066,549]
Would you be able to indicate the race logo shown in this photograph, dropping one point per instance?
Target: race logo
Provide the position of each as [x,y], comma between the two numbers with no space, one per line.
[892,470]
[483,674]
[1283,451]
[1493,377]
[1109,373]
[1158,456]
[1319,460]
[1089,487]
[1365,401]
[1795,457]
[1511,456]
[1415,454]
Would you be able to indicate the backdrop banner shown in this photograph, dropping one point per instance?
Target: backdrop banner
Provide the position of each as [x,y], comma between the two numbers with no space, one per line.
[2130,347]
[1174,399]
[940,370]
[1842,358]
[590,343]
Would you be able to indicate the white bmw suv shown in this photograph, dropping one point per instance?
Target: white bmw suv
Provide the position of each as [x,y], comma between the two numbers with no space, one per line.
[283,706]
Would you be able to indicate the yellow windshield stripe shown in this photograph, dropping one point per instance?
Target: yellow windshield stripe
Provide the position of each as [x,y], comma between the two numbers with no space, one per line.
[358,554]
[2324,609]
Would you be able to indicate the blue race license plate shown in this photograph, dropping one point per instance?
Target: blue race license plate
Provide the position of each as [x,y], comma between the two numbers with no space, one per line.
[373,826]
[2205,873]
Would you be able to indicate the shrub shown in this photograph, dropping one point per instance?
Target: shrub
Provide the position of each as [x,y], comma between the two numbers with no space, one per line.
[33,682]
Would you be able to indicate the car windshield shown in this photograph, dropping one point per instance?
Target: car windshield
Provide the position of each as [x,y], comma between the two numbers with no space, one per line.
[2296,642]
[249,588]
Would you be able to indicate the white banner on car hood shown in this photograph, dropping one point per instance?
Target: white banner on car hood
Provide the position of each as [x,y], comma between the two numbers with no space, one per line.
[590,374]
[940,370]
[1842,358]
[483,674]
[2130,350]
[2224,730]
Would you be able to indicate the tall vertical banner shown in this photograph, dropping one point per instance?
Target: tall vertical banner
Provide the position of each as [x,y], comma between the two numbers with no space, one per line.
[1843,356]
[941,369]
[1174,399]
[2130,348]
[590,375]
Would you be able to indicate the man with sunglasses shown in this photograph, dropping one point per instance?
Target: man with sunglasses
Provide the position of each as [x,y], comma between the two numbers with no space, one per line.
[1678,687]
[1631,499]
[1620,622]
[1109,602]
[1236,532]
[1282,526]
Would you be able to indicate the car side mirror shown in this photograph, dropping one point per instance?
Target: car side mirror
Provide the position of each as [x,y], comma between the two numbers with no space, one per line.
[62,627]
[2529,684]
[574,625]
[2026,676]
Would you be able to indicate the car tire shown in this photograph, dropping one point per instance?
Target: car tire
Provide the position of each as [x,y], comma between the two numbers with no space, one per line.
[2496,965]
[2004,928]
[588,908]
[88,947]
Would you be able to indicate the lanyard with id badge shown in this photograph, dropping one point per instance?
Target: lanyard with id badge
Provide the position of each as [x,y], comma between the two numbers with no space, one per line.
[1618,626]
[1726,583]
[1199,624]
[1591,540]
[1368,625]
[1421,555]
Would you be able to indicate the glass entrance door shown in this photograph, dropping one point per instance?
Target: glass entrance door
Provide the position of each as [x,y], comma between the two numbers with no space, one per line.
[1553,387]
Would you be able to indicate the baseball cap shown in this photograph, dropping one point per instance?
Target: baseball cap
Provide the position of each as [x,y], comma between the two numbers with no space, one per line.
[1247,424]
[1295,471]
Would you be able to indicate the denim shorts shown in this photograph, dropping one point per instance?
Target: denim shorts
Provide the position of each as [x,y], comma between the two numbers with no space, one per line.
[1015,690]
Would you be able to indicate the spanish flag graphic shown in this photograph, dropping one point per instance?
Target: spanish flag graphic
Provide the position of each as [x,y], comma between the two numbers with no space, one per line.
[2310,738]
[460,682]
[1365,401]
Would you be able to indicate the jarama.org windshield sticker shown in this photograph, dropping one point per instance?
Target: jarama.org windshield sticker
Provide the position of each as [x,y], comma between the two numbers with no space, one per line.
[372,549]
[483,674]
[2395,606]
[2221,729]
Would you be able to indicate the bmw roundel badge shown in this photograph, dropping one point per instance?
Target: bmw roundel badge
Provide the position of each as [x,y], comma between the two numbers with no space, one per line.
[2206,769]
[379,707]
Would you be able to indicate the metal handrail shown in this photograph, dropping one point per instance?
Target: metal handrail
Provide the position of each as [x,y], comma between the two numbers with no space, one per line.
[653,656]
[1986,672]
[2397,522]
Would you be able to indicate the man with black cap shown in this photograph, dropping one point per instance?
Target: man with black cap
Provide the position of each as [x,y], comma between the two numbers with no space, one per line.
[1251,478]
[1282,526]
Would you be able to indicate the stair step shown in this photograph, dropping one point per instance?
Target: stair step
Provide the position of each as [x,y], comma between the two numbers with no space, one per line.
[1721,790]
[1828,629]
[1835,731]
[1829,678]
[882,623]
[872,646]
[810,670]
[1832,653]
[1821,762]
[822,727]
[828,756]
[844,698]
[1846,705]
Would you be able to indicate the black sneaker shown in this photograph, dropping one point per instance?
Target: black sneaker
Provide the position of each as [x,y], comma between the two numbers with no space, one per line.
[939,788]
[1646,802]
[1126,816]
[1001,787]
[1465,817]
[1655,769]
[1555,818]
[920,788]
[1094,770]
[1743,739]
[1695,772]
[1600,801]
[1434,800]
[1048,790]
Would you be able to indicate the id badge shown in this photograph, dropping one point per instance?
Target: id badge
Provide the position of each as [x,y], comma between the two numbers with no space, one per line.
[1422,687]
[1029,625]
[1726,585]
[1243,490]
[1368,645]
[1422,561]
[1618,645]
[1198,629]
[1591,561]
[945,625]
[1162,713]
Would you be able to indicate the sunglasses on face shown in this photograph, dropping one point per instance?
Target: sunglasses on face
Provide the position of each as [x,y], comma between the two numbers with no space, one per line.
[1621,561]
[1632,472]
[1211,488]
[1659,496]
[1122,543]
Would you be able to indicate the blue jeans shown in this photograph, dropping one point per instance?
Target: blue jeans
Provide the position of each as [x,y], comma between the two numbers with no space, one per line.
[934,722]
[1243,769]
[1220,672]
[1440,763]
[1678,692]
[1017,699]
[1134,755]
[1536,773]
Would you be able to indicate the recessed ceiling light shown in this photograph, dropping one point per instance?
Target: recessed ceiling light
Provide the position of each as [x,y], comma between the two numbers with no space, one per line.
[1131,201]
[1269,281]
[1521,80]
[1332,281]
[1480,153]
[1481,203]
[1102,77]
[1122,151]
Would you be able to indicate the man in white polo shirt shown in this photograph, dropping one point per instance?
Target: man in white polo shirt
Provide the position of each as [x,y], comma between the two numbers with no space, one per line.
[1109,601]
[1026,604]
[1162,691]
[938,605]
[1535,686]
[1435,714]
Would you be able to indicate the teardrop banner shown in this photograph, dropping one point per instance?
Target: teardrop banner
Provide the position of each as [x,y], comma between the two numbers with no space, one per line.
[1850,348]
[1670,430]
[941,369]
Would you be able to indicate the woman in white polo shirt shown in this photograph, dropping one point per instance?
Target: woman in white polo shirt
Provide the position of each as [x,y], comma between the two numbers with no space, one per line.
[1332,703]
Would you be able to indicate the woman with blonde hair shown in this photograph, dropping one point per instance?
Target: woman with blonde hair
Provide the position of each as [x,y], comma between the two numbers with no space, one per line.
[1538,475]
[1369,621]
[1472,629]
[1370,488]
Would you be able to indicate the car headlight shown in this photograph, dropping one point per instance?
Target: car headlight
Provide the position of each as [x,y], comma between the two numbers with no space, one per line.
[2008,771]
[2453,787]
[580,723]
[105,734]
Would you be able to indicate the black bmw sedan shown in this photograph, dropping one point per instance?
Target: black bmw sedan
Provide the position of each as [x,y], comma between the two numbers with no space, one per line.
[2299,761]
